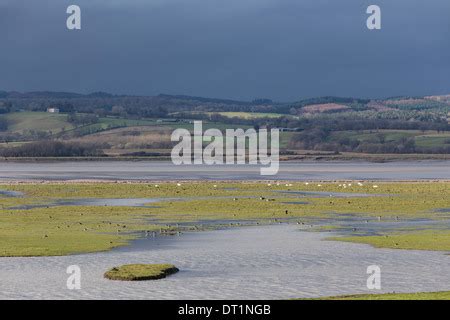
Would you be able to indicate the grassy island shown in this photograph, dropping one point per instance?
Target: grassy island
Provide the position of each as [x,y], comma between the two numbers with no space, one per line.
[140,272]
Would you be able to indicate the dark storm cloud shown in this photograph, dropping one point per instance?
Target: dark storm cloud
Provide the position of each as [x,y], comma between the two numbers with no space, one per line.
[241,49]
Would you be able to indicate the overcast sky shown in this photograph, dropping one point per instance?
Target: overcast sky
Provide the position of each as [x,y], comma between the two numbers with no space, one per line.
[237,49]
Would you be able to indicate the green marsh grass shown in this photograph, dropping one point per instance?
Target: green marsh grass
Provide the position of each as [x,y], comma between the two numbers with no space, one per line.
[445,295]
[66,230]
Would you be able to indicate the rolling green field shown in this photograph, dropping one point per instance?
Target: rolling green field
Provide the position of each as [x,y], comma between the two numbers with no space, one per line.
[56,123]
[52,229]
[28,127]
[38,121]
[249,115]
[111,123]
[433,140]
[422,139]
[243,114]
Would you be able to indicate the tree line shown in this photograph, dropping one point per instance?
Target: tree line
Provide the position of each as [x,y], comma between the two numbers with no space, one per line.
[321,139]
[53,149]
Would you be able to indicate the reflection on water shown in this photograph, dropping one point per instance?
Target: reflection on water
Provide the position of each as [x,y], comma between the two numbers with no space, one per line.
[115,202]
[321,194]
[97,202]
[7,193]
[363,226]
[157,170]
[295,202]
[130,202]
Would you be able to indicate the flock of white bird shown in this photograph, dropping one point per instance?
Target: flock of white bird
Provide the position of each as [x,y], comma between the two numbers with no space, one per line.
[345,185]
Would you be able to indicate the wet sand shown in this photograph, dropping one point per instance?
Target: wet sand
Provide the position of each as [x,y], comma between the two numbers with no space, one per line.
[160,171]
[270,262]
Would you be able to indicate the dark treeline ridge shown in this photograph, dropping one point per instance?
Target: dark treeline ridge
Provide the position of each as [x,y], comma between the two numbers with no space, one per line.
[319,139]
[3,124]
[103,104]
[163,105]
[327,123]
[53,149]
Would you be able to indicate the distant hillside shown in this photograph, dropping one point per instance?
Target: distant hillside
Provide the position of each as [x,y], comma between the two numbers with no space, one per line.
[120,125]
[103,103]
[41,100]
[204,100]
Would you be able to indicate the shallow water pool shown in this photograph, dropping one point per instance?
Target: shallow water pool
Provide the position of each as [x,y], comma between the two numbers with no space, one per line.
[265,262]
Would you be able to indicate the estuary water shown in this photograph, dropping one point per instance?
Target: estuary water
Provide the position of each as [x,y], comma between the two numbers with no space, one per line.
[259,262]
[157,170]
[264,262]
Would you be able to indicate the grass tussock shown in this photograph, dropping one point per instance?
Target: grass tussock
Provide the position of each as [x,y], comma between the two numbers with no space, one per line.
[140,272]
[436,240]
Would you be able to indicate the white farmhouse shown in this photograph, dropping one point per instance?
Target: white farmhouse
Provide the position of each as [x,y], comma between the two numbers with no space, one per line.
[53,110]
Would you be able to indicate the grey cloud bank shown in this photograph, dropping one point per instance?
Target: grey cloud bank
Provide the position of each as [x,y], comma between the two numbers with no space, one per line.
[280,49]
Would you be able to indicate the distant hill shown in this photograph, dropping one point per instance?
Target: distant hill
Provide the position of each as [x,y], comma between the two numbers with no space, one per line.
[205,100]
[141,125]
[103,103]
[51,95]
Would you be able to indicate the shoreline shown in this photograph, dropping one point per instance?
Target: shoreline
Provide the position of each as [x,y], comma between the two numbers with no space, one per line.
[158,171]
[199,181]
[307,157]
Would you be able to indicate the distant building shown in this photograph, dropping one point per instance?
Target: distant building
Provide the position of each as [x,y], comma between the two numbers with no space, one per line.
[167,120]
[53,110]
